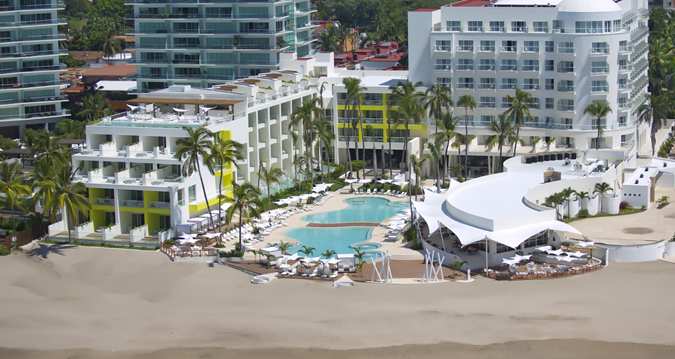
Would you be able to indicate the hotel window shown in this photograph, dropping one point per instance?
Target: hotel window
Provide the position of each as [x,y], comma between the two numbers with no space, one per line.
[565,85]
[465,65]
[540,26]
[550,103]
[623,83]
[623,64]
[588,27]
[509,84]
[505,102]
[518,26]
[445,81]
[608,26]
[617,25]
[566,66]
[530,65]
[454,26]
[509,46]
[487,46]
[549,46]
[558,26]
[466,45]
[531,46]
[443,64]
[549,84]
[475,26]
[497,26]
[600,48]
[599,67]
[465,83]
[534,104]
[509,65]
[486,120]
[487,83]
[623,101]
[503,249]
[443,45]
[487,102]
[549,65]
[566,47]
[565,105]
[623,46]
[530,84]
[622,120]
[192,193]
[486,65]
[599,86]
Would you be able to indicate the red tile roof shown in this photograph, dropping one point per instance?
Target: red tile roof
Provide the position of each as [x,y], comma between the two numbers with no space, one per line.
[472,3]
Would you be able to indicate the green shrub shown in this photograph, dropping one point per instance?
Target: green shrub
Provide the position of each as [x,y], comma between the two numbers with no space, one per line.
[457,265]
[583,213]
[236,252]
[3,250]
[662,202]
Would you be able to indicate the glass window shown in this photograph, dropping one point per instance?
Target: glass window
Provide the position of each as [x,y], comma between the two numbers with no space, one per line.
[487,101]
[509,46]
[623,46]
[599,67]
[445,81]
[589,27]
[566,47]
[466,45]
[565,85]
[549,65]
[534,104]
[486,65]
[549,84]
[475,26]
[443,64]
[566,104]
[600,48]
[617,25]
[505,102]
[454,26]
[509,65]
[497,26]
[509,84]
[566,66]
[550,46]
[192,193]
[465,83]
[599,86]
[465,64]
[550,103]
[487,46]
[487,83]
[443,45]
[530,65]
[531,46]
[530,84]
[540,26]
[518,26]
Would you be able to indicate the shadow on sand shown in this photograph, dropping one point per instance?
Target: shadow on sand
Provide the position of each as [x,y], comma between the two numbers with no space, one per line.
[44,250]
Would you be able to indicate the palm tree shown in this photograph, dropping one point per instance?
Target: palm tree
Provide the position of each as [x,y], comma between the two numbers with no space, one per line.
[245,202]
[284,247]
[548,140]
[598,109]
[323,128]
[469,103]
[409,109]
[270,176]
[359,256]
[434,148]
[518,111]
[328,253]
[555,200]
[303,117]
[534,140]
[94,107]
[70,196]
[602,188]
[223,153]
[416,165]
[447,125]
[12,184]
[354,101]
[307,251]
[503,130]
[437,101]
[71,129]
[111,46]
[44,187]
[192,150]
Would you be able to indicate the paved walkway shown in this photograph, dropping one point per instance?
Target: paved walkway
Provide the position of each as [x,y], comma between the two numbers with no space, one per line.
[649,226]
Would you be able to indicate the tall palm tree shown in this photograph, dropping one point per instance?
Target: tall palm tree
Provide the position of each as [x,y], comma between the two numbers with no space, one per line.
[469,104]
[303,117]
[503,130]
[602,188]
[447,126]
[416,164]
[271,176]
[437,101]
[245,202]
[70,196]
[598,109]
[354,102]
[111,46]
[223,153]
[409,109]
[94,107]
[44,187]
[192,150]
[518,111]
[13,185]
[435,148]
[322,126]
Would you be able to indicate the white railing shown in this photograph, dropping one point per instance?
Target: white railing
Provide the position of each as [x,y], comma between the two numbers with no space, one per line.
[111,232]
[121,176]
[56,228]
[138,234]
[83,230]
[95,175]
[108,149]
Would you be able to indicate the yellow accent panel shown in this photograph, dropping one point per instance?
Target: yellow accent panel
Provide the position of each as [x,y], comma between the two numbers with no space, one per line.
[132,209]
[201,207]
[98,217]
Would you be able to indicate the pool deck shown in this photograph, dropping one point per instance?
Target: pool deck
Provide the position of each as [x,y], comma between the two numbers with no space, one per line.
[336,201]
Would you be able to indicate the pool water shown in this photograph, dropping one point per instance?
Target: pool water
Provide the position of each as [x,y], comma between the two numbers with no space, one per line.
[359,210]
[343,239]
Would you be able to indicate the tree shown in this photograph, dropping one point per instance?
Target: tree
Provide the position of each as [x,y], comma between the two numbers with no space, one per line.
[554,201]
[284,247]
[307,251]
[469,103]
[192,150]
[534,140]
[303,117]
[434,148]
[6,143]
[353,102]
[245,202]
[223,153]
[437,102]
[13,186]
[518,111]
[328,253]
[43,181]
[71,129]
[548,140]
[503,130]
[603,188]
[329,39]
[598,109]
[359,256]
[416,165]
[447,126]
[70,196]
[409,109]
[94,107]
[111,46]
[271,176]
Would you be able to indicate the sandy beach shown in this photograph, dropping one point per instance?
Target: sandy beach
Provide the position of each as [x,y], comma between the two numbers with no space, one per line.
[125,300]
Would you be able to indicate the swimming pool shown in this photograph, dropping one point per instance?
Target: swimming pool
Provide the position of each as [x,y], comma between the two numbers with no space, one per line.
[343,239]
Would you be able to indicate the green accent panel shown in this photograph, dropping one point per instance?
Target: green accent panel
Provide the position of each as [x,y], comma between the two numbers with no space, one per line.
[98,217]
[152,220]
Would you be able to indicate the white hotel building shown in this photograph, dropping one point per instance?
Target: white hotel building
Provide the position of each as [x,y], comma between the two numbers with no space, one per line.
[566,53]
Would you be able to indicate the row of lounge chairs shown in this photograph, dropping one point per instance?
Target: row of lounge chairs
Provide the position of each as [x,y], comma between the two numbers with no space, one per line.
[388,192]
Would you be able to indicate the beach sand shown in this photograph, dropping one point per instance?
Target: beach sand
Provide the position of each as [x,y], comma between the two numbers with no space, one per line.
[135,303]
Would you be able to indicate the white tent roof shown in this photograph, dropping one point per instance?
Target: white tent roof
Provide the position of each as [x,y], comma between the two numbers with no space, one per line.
[122,86]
